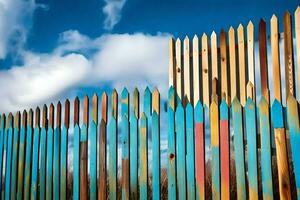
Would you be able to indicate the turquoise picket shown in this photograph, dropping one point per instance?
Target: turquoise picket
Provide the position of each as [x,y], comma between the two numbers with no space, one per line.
[266,157]
[251,131]
[28,156]
[14,164]
[125,143]
[143,157]
[294,128]
[171,146]
[63,163]
[2,129]
[10,132]
[112,165]
[155,156]
[133,156]
[190,147]
[76,162]
[49,166]
[93,159]
[56,152]
[42,174]
[239,148]
[21,157]
[180,151]
[4,156]
[148,103]
[35,163]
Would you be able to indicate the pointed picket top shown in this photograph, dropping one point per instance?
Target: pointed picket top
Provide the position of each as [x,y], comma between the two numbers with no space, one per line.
[44,116]
[155,115]
[231,30]
[250,26]
[58,114]
[204,37]
[240,31]
[171,100]
[136,103]
[277,114]
[250,104]
[263,105]
[195,38]
[178,42]
[17,120]
[95,108]
[114,103]
[223,110]
[199,112]
[37,117]
[179,110]
[213,35]
[189,108]
[147,102]
[156,101]
[286,14]
[3,119]
[76,111]
[143,120]
[86,110]
[186,43]
[10,120]
[297,11]
[250,90]
[274,19]
[30,118]
[51,116]
[124,96]
[104,105]
[236,104]
[67,113]
[292,104]
[262,23]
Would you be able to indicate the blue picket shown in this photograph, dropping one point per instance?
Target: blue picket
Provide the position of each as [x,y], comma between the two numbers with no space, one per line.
[76,162]
[56,159]
[10,132]
[148,103]
[64,163]
[2,130]
[294,128]
[251,131]
[171,146]
[49,164]
[42,174]
[14,164]
[143,157]
[190,158]
[155,156]
[28,157]
[93,159]
[266,156]
[239,148]
[180,151]
[112,169]
[35,163]
[133,156]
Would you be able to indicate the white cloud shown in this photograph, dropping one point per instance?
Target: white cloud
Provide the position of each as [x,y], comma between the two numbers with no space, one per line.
[14,24]
[78,61]
[112,11]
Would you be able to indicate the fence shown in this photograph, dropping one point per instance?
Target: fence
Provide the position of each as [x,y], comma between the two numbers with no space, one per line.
[35,157]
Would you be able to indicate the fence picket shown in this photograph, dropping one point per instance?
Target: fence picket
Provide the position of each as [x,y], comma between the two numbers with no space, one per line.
[14,163]
[190,152]
[294,128]
[179,70]
[242,70]
[297,34]
[76,148]
[180,151]
[196,72]
[35,156]
[49,157]
[187,70]
[281,150]
[266,159]
[2,132]
[143,157]
[172,66]
[252,148]
[28,156]
[224,79]
[232,61]
[250,54]
[205,75]
[56,153]
[239,149]
[8,156]
[43,153]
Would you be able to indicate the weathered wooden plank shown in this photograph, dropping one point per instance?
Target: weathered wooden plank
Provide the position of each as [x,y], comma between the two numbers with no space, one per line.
[172,66]
[179,70]
[224,79]
[187,69]
[250,53]
[294,128]
[156,144]
[102,192]
[252,148]
[288,55]
[266,159]
[263,61]
[76,149]
[143,157]
[232,62]
[92,144]
[237,120]
[35,156]
[214,56]
[64,153]
[49,154]
[15,148]
[155,156]
[205,75]
[2,143]
[242,68]
[281,151]
[199,151]
[190,152]
[297,34]
[113,141]
[275,58]
[43,154]
[21,155]
[28,156]
[56,153]
[180,151]
[134,145]
[171,145]
[196,72]
[147,103]
[215,150]
[224,150]
[9,133]
[83,150]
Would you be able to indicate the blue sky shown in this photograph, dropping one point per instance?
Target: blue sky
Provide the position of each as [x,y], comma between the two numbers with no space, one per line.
[55,49]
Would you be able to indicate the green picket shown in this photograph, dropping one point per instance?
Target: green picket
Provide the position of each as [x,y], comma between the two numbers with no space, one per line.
[56,161]
[9,133]
[35,162]
[49,167]
[155,156]
[42,170]
[28,157]
[14,164]
[93,159]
